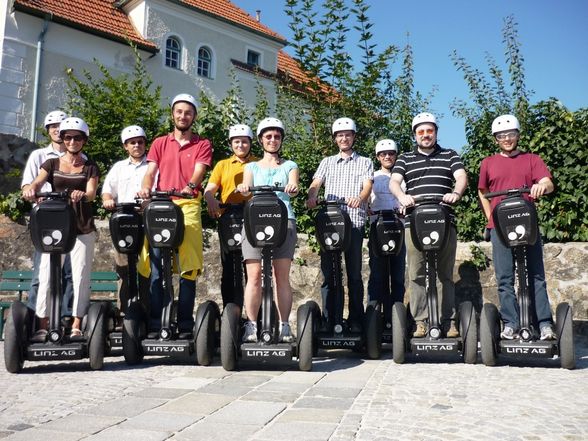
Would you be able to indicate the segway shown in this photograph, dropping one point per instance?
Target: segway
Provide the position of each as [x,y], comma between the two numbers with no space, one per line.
[53,230]
[429,228]
[265,224]
[389,239]
[164,228]
[515,220]
[126,232]
[333,233]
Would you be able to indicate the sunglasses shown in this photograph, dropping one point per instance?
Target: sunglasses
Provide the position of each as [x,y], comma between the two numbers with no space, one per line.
[421,132]
[268,137]
[387,154]
[76,138]
[507,135]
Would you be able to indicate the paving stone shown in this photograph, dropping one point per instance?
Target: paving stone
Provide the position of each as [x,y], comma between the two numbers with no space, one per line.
[124,407]
[282,386]
[190,383]
[41,434]
[324,403]
[161,392]
[273,396]
[311,415]
[115,433]
[87,424]
[247,412]
[296,431]
[160,421]
[196,403]
[333,392]
[217,431]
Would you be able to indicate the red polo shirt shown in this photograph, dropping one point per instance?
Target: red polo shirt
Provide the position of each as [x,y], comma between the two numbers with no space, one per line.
[176,163]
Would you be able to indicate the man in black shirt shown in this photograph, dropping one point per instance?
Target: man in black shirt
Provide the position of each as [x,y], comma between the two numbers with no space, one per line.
[430,170]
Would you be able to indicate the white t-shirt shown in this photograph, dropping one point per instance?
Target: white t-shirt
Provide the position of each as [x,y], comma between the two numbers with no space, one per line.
[124,179]
[33,165]
[381,197]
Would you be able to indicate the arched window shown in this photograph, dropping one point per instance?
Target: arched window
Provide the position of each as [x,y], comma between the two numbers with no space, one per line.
[204,62]
[173,53]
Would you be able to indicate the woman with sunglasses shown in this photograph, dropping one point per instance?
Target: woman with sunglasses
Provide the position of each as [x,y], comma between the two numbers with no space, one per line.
[76,173]
[271,169]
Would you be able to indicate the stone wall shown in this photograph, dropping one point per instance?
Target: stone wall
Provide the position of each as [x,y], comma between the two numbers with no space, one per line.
[566,267]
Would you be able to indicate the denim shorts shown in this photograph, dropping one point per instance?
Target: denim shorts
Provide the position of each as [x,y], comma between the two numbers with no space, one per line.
[284,251]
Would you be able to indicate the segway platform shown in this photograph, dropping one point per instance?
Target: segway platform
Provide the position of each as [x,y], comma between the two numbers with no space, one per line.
[439,346]
[51,352]
[275,353]
[177,348]
[340,341]
[529,349]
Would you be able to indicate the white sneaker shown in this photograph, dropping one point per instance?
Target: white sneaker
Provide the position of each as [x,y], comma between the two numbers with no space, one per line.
[250,334]
[286,333]
[547,333]
[508,333]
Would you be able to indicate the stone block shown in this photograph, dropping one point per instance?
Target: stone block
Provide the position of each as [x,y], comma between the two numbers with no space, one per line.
[247,412]
[197,403]
[217,431]
[157,421]
[86,424]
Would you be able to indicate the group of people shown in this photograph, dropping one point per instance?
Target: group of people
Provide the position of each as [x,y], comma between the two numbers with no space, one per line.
[181,159]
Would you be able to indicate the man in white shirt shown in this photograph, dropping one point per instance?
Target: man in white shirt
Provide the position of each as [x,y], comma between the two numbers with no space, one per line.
[121,185]
[37,157]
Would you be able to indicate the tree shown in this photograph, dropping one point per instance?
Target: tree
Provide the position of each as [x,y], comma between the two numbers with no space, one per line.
[547,128]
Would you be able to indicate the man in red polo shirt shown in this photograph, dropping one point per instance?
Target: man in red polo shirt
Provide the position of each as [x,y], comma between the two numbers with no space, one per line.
[179,160]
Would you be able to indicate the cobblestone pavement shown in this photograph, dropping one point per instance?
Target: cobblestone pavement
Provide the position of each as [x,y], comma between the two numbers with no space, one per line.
[344,398]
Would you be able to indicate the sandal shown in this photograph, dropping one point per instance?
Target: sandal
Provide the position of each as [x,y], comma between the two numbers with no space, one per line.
[76,334]
[40,336]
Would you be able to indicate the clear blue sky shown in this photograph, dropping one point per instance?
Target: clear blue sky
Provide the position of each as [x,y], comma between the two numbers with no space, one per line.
[553,35]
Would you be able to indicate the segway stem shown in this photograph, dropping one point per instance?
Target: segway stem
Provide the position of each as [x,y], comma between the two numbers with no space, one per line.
[56,292]
[267,292]
[431,288]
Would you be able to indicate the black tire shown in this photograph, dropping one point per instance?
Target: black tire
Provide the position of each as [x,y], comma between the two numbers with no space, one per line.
[305,330]
[204,332]
[399,331]
[15,337]
[468,329]
[132,335]
[316,322]
[489,332]
[97,334]
[373,332]
[229,341]
[567,353]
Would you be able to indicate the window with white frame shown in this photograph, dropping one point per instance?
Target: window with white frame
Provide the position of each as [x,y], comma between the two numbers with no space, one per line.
[253,58]
[173,53]
[205,62]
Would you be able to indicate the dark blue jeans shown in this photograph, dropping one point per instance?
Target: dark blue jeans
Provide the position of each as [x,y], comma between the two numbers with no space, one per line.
[66,284]
[353,261]
[386,281]
[186,297]
[505,278]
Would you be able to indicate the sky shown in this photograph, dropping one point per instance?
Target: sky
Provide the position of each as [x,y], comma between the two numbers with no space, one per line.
[553,36]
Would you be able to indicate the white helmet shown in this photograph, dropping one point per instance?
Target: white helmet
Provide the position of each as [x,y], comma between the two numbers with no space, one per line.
[505,122]
[54,117]
[385,145]
[240,130]
[270,123]
[424,117]
[132,132]
[186,98]
[343,124]
[74,123]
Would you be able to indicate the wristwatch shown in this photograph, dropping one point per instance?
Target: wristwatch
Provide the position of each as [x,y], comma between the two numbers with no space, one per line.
[192,185]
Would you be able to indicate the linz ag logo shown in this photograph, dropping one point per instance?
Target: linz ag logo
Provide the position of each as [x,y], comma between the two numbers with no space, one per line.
[54,353]
[166,349]
[335,224]
[338,343]
[434,221]
[266,353]
[269,215]
[538,351]
[165,219]
[426,347]
[517,215]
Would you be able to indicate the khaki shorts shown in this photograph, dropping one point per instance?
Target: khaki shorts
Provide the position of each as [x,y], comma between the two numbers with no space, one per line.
[284,251]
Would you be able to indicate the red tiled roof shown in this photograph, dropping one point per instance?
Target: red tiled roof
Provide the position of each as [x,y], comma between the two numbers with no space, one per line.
[97,16]
[102,17]
[289,68]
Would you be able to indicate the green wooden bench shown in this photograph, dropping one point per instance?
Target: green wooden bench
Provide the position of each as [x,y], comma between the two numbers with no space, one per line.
[19,281]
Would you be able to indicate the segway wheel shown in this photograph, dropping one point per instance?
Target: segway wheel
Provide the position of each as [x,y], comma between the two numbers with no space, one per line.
[15,337]
[489,332]
[399,330]
[97,334]
[563,316]
[207,319]
[468,329]
[305,328]
[373,332]
[229,341]
[316,322]
[131,334]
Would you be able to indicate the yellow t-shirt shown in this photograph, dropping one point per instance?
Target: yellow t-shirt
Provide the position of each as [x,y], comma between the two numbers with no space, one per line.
[227,174]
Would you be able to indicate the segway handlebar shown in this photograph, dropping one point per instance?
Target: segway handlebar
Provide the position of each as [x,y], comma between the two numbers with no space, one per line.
[265,188]
[394,211]
[232,206]
[53,194]
[168,193]
[429,198]
[332,202]
[508,193]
